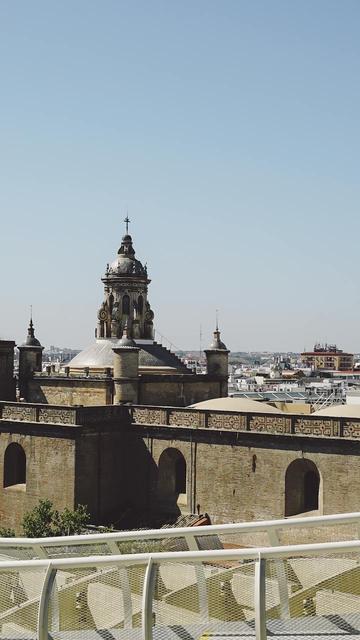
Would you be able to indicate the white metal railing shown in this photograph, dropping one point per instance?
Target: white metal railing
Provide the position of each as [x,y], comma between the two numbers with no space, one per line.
[275,532]
[127,596]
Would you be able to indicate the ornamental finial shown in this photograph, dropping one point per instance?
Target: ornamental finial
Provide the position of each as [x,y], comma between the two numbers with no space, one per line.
[127,224]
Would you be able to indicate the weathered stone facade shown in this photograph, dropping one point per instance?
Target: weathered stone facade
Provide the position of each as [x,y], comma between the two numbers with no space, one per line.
[73,456]
[150,460]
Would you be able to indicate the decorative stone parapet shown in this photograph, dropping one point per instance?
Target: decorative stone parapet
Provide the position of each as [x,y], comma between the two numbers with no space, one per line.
[276,424]
[328,427]
[270,424]
[59,414]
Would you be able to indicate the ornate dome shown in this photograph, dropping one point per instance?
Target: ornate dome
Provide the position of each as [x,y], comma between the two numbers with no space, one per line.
[126,263]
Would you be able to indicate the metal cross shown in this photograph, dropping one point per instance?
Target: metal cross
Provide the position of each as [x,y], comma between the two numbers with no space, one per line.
[127,224]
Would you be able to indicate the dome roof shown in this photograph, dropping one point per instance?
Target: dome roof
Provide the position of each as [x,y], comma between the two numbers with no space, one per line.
[100,355]
[128,266]
[31,341]
[339,410]
[244,405]
[126,263]
[217,344]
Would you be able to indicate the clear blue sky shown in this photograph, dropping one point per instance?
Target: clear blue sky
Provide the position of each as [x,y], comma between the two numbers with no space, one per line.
[229,130]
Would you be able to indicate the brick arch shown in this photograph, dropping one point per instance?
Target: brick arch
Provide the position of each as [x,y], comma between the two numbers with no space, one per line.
[302,487]
[172,476]
[14,465]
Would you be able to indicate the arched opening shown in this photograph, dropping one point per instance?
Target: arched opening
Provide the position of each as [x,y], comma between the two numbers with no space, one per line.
[126,305]
[140,305]
[172,477]
[14,465]
[302,487]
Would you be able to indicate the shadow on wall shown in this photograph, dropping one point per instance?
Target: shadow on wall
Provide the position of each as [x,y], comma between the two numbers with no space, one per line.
[154,492]
[302,487]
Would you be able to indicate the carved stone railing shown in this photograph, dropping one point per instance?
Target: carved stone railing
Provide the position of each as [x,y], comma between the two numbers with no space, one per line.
[276,424]
[66,415]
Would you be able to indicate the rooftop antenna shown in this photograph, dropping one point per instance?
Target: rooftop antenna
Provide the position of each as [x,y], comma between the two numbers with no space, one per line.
[200,343]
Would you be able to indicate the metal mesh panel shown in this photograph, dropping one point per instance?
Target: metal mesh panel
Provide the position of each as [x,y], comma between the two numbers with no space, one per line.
[152,545]
[16,553]
[203,599]
[68,551]
[20,591]
[97,600]
[328,533]
[314,596]
[233,540]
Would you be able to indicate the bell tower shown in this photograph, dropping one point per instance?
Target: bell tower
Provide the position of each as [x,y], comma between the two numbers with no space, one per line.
[125,296]
[30,358]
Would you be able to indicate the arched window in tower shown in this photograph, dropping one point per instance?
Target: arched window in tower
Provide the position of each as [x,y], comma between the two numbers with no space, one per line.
[14,465]
[302,487]
[172,477]
[140,305]
[126,305]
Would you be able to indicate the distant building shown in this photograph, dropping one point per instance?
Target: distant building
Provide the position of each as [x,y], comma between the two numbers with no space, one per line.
[328,357]
[124,363]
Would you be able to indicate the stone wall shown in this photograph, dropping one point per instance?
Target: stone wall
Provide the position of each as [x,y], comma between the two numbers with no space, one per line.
[167,389]
[70,391]
[179,391]
[74,455]
[236,463]
[50,472]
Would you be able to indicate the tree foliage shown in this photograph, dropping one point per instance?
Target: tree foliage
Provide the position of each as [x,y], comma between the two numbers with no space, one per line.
[45,521]
[6,532]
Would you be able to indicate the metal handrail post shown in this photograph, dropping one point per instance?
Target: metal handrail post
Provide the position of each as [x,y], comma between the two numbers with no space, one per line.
[43,612]
[148,600]
[259,598]
[201,579]
[125,588]
[281,576]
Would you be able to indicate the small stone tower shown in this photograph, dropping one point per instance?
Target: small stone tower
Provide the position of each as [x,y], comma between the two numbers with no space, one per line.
[217,361]
[125,296]
[126,369]
[30,358]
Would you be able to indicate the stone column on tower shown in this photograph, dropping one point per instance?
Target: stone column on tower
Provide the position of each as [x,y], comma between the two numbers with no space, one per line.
[126,369]
[217,361]
[30,358]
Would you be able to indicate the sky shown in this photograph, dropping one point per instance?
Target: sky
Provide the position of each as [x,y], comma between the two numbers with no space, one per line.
[229,131]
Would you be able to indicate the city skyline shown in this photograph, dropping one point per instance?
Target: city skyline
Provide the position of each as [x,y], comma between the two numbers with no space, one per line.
[230,136]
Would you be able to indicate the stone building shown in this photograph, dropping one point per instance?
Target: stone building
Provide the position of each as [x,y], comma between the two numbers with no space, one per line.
[328,358]
[124,363]
[142,465]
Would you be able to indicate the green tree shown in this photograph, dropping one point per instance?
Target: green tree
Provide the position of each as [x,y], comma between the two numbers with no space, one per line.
[45,521]
[5,532]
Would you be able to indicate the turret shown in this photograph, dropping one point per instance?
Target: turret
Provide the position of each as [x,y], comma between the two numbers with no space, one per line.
[217,361]
[126,369]
[125,296]
[30,358]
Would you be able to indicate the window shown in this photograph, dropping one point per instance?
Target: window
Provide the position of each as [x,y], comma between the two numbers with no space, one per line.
[302,487]
[172,477]
[140,305]
[14,465]
[126,305]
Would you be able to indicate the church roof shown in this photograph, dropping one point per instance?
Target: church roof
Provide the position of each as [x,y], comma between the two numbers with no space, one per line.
[244,405]
[339,410]
[100,355]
